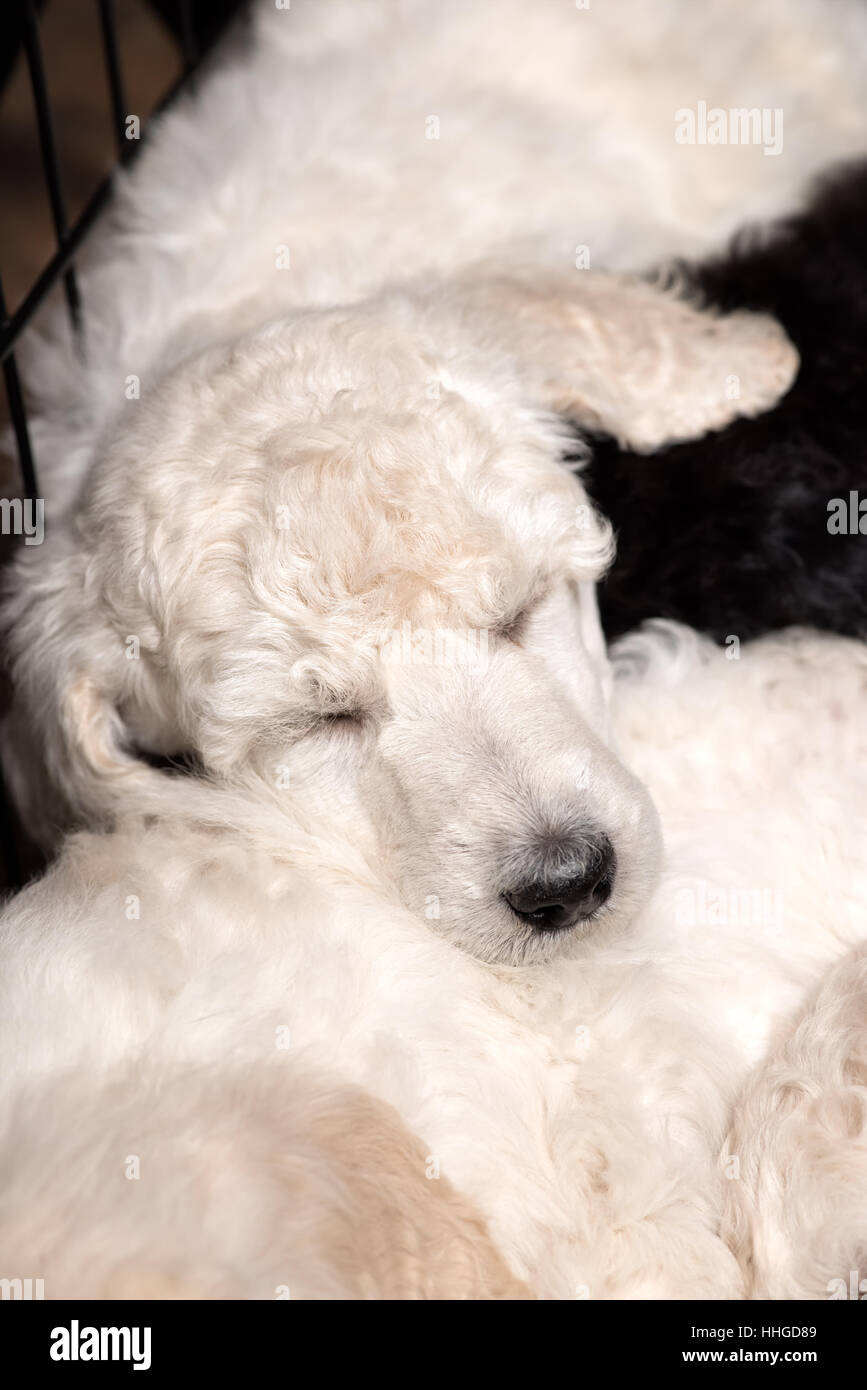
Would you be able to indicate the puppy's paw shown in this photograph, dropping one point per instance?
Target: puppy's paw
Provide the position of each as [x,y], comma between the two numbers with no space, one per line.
[629,357]
[757,364]
[716,369]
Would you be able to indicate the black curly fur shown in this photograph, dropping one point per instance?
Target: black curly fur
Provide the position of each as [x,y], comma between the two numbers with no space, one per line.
[730,533]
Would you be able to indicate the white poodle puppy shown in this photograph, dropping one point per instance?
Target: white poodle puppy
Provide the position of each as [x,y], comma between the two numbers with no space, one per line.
[327,549]
[343,553]
[344,147]
[189,998]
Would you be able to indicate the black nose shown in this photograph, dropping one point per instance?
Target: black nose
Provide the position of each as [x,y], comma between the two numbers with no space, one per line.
[574,881]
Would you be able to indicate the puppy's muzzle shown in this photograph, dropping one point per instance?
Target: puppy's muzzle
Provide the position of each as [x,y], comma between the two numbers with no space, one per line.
[574,880]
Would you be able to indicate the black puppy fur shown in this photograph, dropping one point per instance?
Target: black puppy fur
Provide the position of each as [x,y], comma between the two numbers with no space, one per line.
[730,533]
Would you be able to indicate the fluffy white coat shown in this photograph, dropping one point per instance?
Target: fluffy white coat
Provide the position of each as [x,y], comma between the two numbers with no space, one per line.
[238,954]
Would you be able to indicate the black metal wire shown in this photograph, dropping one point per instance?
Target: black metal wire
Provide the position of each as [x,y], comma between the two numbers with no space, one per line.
[12,326]
[197,25]
[49,152]
[189,39]
[13,874]
[119,108]
[17,413]
[56,267]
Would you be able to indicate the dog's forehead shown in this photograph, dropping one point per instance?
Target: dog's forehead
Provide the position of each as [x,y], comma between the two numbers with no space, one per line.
[241,484]
[426,510]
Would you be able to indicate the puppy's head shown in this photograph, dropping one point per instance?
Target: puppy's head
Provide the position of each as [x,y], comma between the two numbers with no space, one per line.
[341,562]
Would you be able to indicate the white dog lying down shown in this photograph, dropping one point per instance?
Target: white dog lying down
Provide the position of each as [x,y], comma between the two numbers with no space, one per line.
[187,1001]
[378,461]
[383,594]
[272,541]
[352,146]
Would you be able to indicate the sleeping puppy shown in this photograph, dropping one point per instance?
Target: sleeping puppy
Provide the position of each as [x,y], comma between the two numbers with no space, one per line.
[342,554]
[763,524]
[211,1014]
[343,473]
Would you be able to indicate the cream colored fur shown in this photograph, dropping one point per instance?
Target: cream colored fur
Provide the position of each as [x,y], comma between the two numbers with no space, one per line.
[276,1183]
[355,443]
[581,1107]
[798,1220]
[266,526]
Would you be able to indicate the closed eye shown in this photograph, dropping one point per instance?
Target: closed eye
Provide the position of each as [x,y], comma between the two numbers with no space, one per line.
[515,628]
[344,717]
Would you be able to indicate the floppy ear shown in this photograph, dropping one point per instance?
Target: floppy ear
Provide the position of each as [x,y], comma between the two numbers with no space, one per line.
[66,751]
[629,358]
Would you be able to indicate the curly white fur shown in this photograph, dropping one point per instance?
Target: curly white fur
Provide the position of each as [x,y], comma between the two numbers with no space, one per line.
[318,461]
[581,1107]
